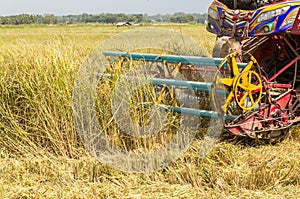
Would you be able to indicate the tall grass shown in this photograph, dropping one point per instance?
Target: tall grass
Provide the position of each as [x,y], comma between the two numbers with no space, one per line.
[36,85]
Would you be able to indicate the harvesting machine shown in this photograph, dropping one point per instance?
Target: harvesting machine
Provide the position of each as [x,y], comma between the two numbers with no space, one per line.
[255,62]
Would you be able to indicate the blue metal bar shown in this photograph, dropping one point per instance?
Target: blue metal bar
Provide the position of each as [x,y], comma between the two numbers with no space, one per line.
[202,86]
[185,60]
[199,86]
[197,112]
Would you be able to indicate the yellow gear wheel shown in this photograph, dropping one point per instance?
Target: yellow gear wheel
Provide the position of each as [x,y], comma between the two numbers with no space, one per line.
[243,85]
[248,90]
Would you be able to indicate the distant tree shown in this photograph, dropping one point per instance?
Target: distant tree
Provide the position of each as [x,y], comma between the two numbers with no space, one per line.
[182,18]
[49,19]
[139,18]
[109,18]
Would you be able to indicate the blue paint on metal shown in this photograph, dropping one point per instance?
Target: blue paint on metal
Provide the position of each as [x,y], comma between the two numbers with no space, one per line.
[185,60]
[207,87]
[198,86]
[197,112]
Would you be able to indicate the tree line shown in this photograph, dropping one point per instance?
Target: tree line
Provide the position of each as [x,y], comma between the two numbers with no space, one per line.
[107,18]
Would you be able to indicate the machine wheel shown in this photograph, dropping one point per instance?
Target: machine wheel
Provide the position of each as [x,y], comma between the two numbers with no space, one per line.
[221,47]
[243,86]
[248,90]
[224,46]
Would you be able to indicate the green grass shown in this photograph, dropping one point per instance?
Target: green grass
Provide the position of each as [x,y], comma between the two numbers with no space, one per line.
[41,155]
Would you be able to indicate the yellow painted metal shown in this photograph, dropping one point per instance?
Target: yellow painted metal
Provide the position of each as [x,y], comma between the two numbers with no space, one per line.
[248,89]
[239,83]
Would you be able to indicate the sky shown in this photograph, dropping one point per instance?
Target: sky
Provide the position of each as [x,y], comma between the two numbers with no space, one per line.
[65,7]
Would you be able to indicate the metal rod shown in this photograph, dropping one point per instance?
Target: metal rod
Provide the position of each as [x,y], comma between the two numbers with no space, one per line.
[185,60]
[197,112]
[283,69]
[191,84]
[199,86]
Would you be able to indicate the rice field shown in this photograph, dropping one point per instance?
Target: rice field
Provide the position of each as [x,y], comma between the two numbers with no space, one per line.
[42,156]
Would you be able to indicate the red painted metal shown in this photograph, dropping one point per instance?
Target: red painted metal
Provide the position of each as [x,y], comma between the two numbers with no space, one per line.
[296,26]
[284,68]
[272,115]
